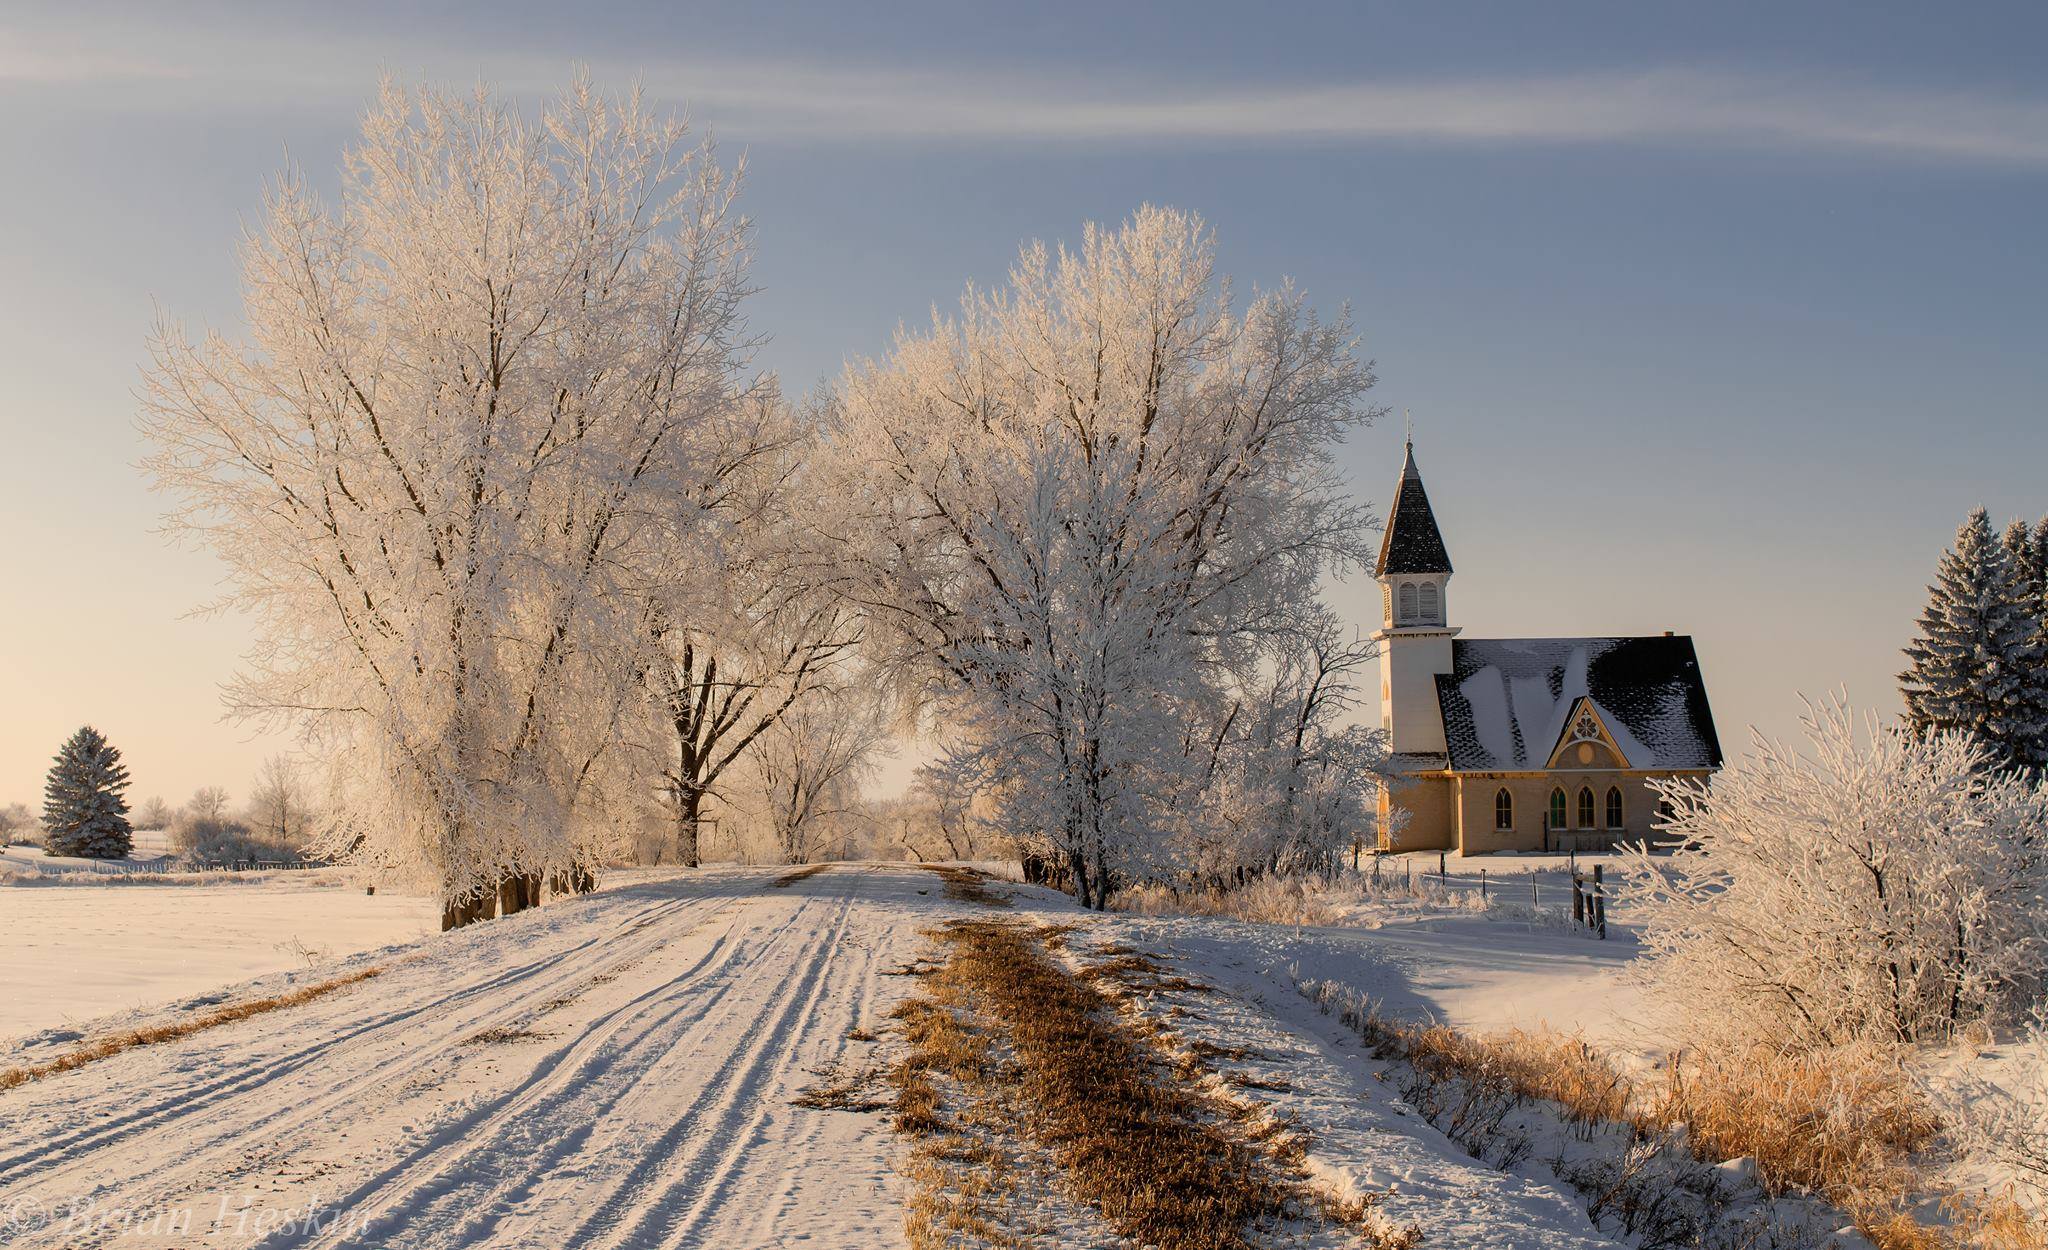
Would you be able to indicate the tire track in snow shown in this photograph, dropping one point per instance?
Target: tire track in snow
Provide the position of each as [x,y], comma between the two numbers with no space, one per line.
[451,1188]
[223,1111]
[700,1154]
[191,1100]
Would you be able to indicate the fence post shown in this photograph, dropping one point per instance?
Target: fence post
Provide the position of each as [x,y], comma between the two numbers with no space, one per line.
[1532,890]
[1482,885]
[1578,900]
[1600,902]
[1442,872]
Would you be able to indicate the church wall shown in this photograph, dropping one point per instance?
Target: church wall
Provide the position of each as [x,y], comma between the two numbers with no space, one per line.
[1431,817]
[1531,792]
[1409,663]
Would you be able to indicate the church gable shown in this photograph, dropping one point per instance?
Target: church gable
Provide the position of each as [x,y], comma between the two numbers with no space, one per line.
[1508,703]
[1586,741]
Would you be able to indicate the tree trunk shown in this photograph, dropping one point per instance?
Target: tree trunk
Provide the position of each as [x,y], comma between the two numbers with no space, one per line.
[517,893]
[460,912]
[1077,868]
[688,801]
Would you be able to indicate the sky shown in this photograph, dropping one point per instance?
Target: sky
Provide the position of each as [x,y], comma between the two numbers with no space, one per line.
[1710,318]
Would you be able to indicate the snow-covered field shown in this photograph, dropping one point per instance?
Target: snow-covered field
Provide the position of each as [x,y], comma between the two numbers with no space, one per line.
[71,954]
[618,1070]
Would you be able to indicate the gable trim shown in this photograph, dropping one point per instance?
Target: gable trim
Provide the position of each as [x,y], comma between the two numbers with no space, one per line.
[1585,723]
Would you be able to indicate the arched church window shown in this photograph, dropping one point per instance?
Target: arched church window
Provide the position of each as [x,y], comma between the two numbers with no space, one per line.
[1503,809]
[1429,609]
[1614,807]
[1407,601]
[1557,811]
[1585,807]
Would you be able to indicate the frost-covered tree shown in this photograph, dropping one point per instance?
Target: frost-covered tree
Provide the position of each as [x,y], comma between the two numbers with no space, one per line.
[280,806]
[1076,505]
[809,768]
[16,822]
[207,803]
[739,629]
[1885,885]
[154,814]
[1287,773]
[1978,664]
[480,394]
[84,810]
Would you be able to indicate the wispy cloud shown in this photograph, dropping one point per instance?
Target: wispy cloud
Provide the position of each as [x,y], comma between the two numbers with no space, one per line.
[796,100]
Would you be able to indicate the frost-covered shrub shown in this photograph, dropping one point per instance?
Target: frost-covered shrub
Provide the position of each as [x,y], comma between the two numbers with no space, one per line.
[223,840]
[1882,886]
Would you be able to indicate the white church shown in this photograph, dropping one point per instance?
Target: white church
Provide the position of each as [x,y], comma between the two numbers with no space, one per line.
[1520,744]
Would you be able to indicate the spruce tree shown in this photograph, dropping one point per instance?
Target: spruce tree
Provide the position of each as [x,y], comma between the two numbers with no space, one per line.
[2028,551]
[82,804]
[2019,549]
[2037,567]
[1977,664]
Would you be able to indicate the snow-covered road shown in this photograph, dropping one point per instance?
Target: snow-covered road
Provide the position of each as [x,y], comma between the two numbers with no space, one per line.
[611,1071]
[618,1071]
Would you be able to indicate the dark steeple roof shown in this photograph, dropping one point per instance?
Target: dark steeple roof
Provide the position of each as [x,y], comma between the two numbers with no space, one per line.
[1412,543]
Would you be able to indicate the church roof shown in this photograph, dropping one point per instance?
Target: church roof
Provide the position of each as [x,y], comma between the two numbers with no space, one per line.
[1505,700]
[1411,543]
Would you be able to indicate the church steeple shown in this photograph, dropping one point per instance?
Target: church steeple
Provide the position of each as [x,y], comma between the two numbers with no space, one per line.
[1412,543]
[1414,573]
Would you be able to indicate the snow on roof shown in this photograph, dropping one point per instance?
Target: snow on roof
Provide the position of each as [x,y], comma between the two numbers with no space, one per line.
[1505,700]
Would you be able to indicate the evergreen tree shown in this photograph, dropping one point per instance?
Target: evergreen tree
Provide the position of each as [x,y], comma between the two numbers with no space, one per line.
[1977,664]
[82,804]
[2037,557]
[2019,549]
[2028,552]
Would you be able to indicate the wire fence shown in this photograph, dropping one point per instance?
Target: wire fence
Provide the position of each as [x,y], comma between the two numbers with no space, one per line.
[165,867]
[1587,893]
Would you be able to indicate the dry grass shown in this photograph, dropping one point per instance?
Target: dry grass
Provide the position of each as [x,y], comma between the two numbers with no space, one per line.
[1139,972]
[789,879]
[504,1036]
[843,1089]
[1563,1069]
[1996,1222]
[1144,1149]
[960,1187]
[967,885]
[1845,1124]
[129,1039]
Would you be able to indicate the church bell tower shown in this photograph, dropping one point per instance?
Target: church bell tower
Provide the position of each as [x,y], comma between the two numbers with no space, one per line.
[1414,572]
